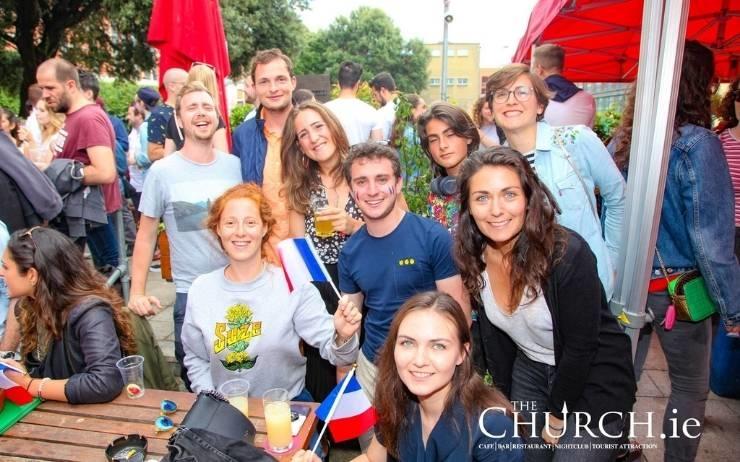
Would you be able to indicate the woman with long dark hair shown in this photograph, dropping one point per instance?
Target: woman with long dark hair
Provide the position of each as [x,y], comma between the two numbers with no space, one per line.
[570,160]
[73,327]
[553,343]
[430,402]
[695,232]
[321,207]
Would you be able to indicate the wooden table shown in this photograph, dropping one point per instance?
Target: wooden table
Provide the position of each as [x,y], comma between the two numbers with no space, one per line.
[57,431]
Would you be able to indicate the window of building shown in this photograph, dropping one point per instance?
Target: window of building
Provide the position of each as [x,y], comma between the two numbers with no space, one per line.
[450,52]
[463,82]
[462,52]
[434,82]
[450,82]
[436,53]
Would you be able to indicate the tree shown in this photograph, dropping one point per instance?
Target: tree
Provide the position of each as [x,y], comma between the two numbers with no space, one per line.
[92,33]
[111,35]
[253,25]
[369,37]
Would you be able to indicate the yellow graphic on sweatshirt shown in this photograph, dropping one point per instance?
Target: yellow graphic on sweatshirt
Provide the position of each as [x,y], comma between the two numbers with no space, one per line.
[234,335]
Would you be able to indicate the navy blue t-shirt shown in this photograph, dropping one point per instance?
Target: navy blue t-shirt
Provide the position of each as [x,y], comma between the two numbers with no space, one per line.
[450,440]
[390,269]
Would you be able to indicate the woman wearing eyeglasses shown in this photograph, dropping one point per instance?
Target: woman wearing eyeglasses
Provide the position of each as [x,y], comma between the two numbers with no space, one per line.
[73,327]
[570,160]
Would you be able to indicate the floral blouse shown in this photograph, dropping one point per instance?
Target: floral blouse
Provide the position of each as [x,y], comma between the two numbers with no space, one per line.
[329,247]
[444,210]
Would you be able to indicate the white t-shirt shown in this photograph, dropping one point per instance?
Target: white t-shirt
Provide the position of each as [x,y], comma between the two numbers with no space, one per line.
[181,191]
[135,173]
[529,326]
[387,115]
[357,118]
[579,109]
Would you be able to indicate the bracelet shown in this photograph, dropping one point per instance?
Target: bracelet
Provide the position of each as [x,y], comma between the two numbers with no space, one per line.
[28,385]
[344,342]
[41,387]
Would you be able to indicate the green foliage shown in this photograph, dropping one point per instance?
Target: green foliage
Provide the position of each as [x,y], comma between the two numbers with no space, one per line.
[369,37]
[118,95]
[253,25]
[9,99]
[414,162]
[238,113]
[606,122]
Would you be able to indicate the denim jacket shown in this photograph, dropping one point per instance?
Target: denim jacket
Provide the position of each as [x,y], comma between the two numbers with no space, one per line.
[250,145]
[697,225]
[558,151]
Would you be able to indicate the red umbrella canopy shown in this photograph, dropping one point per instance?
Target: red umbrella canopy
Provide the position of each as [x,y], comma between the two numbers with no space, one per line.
[188,31]
[601,38]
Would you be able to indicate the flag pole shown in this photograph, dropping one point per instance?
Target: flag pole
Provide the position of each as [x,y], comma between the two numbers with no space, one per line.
[334,407]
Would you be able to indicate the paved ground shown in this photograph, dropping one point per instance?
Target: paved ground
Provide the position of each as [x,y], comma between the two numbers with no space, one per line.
[721,436]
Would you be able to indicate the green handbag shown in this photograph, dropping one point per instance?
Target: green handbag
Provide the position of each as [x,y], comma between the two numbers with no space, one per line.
[691,297]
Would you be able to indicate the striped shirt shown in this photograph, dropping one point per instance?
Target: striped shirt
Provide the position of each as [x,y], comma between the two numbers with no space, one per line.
[731,146]
[530,158]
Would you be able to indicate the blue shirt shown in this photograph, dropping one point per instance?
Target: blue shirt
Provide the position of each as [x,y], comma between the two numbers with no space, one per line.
[450,439]
[572,161]
[158,120]
[390,269]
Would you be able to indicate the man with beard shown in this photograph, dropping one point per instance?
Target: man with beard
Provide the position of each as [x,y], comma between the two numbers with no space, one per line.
[179,189]
[395,255]
[257,141]
[87,136]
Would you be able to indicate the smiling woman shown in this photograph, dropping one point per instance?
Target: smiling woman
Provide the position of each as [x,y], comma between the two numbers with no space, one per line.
[242,320]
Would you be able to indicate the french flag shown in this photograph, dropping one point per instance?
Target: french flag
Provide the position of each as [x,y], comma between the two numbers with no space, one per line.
[14,392]
[347,410]
[301,263]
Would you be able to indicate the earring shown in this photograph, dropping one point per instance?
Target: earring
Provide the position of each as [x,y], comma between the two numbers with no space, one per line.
[305,161]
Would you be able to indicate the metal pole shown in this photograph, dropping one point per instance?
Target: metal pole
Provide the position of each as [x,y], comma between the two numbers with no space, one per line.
[447,19]
[661,52]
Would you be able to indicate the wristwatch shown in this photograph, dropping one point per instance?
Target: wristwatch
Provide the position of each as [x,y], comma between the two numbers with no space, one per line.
[82,172]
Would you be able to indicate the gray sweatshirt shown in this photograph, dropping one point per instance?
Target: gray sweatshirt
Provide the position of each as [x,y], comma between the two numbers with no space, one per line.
[252,330]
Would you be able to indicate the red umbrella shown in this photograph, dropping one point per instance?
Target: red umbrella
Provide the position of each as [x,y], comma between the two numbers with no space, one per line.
[602,37]
[188,31]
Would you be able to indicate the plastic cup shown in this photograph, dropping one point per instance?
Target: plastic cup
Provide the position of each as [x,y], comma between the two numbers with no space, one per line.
[277,419]
[132,371]
[236,391]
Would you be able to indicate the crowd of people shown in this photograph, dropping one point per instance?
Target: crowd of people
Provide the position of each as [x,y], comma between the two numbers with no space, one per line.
[508,277]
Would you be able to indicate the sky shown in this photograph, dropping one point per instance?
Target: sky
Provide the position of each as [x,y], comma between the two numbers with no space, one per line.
[496,24]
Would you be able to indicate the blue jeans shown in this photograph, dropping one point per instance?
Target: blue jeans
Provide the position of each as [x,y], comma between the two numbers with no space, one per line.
[687,350]
[178,315]
[103,243]
[531,383]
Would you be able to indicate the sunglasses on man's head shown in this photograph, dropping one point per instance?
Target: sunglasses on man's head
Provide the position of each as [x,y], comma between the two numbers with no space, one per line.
[199,63]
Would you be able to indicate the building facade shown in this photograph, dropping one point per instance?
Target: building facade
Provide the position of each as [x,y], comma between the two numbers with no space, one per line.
[463,74]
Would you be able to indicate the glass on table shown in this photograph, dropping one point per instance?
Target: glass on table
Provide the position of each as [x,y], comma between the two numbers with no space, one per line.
[277,419]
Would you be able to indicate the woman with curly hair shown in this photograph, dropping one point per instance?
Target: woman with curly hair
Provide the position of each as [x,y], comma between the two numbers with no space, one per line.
[695,232]
[552,341]
[243,320]
[430,403]
[73,327]
[729,134]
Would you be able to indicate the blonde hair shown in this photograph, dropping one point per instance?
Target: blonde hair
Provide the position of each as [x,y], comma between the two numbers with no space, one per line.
[207,76]
[56,121]
[190,87]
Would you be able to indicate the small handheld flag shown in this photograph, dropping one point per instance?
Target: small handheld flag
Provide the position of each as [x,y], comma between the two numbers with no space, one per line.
[301,263]
[346,411]
[15,393]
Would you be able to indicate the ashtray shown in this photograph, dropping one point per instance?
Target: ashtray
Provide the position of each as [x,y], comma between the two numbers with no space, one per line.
[129,448]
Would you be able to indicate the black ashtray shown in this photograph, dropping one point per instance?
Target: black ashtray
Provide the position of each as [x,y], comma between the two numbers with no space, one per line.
[129,448]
